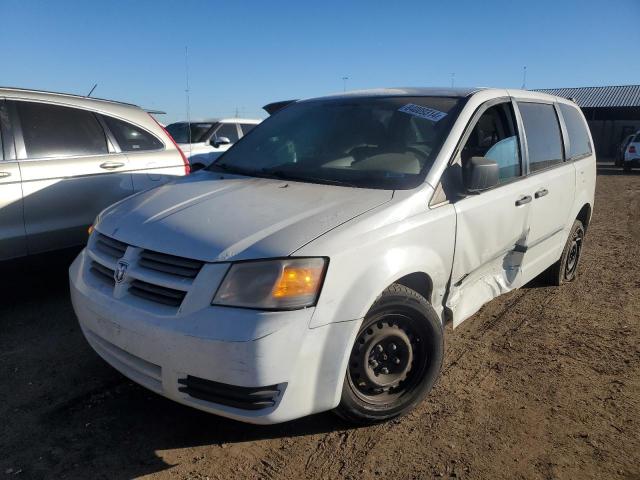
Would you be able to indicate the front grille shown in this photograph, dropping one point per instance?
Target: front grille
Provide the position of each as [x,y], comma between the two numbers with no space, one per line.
[161,262]
[110,246]
[245,398]
[102,273]
[156,293]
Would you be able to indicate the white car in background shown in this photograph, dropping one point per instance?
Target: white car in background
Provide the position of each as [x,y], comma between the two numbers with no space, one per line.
[632,154]
[207,140]
[315,264]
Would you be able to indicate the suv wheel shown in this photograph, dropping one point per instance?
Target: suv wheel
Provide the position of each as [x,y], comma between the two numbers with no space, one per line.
[565,269]
[395,360]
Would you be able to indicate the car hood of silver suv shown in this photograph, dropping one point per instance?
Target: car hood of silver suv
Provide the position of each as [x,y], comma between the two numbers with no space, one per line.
[209,218]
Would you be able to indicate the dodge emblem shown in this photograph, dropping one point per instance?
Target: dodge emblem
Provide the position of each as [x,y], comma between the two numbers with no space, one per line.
[121,271]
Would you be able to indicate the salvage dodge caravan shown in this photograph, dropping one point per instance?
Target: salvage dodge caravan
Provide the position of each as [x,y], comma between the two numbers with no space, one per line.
[314,264]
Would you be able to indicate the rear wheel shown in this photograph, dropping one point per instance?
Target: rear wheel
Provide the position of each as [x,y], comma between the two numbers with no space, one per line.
[626,168]
[395,360]
[565,269]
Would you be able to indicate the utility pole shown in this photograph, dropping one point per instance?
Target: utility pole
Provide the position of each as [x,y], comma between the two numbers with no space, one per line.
[344,83]
[524,77]
[453,79]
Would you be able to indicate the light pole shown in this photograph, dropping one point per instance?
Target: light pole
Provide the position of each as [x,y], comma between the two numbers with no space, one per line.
[344,83]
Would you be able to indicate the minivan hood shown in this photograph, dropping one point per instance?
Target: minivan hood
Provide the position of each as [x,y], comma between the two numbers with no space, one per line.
[209,218]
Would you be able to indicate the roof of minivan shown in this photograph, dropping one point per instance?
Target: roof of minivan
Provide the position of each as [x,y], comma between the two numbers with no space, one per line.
[434,92]
[404,92]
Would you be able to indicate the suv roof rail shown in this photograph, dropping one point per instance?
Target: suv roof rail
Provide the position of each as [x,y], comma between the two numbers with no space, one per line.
[72,95]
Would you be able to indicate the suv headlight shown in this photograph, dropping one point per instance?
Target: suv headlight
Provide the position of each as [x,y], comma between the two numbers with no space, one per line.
[283,284]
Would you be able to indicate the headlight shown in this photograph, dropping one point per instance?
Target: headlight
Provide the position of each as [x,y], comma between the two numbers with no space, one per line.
[284,284]
[92,227]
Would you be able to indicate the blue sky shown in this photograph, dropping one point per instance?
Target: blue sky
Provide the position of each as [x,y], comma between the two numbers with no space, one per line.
[245,54]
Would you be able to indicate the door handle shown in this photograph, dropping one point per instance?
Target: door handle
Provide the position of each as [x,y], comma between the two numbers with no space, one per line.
[523,200]
[541,193]
[111,165]
[5,174]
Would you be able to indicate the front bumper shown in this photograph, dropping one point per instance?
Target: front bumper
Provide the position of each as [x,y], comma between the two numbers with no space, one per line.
[217,359]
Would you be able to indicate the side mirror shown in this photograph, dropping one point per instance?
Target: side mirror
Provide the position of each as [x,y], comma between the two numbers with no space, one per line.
[480,173]
[216,142]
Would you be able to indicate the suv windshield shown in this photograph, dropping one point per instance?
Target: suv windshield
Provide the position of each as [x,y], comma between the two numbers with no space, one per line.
[180,131]
[382,142]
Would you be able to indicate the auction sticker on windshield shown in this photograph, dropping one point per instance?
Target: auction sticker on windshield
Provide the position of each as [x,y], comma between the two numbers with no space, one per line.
[423,112]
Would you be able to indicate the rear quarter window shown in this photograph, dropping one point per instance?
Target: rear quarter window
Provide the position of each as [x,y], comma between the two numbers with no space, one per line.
[247,127]
[57,131]
[579,143]
[132,138]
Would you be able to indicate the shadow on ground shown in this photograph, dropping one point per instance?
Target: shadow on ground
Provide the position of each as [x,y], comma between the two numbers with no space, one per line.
[69,413]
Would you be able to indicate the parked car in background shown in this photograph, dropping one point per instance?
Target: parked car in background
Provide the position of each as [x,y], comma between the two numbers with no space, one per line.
[632,154]
[314,265]
[204,141]
[64,158]
[622,149]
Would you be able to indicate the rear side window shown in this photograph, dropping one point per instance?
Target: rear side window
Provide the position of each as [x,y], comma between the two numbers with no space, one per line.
[542,129]
[579,143]
[228,130]
[56,131]
[247,127]
[181,132]
[132,138]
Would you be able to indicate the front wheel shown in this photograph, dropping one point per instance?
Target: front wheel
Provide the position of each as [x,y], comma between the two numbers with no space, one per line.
[395,360]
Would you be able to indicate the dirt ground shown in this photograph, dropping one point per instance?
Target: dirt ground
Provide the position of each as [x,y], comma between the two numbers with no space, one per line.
[541,383]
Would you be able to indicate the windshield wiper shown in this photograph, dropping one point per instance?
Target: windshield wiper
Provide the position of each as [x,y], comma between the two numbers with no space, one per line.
[284,175]
[229,169]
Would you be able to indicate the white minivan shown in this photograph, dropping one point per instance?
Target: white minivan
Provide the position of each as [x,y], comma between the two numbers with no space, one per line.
[314,265]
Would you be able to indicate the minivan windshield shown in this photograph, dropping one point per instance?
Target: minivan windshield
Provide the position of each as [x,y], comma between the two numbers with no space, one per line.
[180,131]
[373,142]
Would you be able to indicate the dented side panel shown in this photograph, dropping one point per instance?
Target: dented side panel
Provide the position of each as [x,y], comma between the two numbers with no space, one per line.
[491,238]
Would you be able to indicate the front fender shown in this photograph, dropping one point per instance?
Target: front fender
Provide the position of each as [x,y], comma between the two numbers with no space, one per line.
[368,261]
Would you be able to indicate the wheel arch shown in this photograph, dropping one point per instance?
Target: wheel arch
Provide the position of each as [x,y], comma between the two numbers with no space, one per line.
[419,282]
[341,302]
[584,215]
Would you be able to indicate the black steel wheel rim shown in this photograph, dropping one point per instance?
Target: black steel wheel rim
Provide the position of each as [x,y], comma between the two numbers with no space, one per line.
[388,358]
[575,248]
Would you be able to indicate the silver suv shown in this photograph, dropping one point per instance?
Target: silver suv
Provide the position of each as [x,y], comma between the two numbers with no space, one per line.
[63,158]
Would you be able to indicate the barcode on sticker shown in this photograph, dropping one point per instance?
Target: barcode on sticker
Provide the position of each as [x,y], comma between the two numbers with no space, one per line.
[423,112]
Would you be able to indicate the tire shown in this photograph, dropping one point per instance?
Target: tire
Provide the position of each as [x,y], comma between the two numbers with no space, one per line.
[565,269]
[626,168]
[395,360]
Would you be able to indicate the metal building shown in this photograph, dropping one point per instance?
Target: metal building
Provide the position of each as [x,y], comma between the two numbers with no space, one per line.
[612,112]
